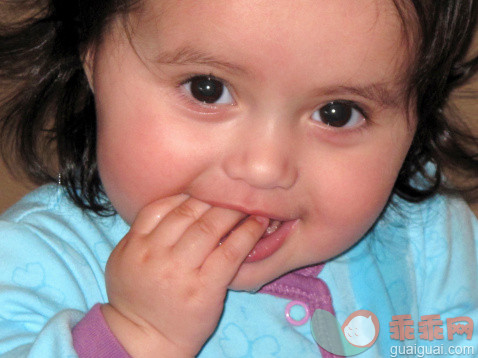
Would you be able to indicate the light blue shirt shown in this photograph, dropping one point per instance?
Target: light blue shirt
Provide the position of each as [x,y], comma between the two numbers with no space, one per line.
[420,260]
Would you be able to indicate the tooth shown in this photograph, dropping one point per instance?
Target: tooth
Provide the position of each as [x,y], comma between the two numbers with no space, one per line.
[273,226]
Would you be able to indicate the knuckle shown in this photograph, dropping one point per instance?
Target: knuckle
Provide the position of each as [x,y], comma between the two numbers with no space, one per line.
[187,210]
[231,253]
[208,228]
[251,231]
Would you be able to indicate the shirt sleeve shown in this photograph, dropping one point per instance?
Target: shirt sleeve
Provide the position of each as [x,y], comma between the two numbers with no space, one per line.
[47,284]
[92,338]
[446,266]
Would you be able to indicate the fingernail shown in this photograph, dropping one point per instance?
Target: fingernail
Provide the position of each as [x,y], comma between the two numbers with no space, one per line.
[262,220]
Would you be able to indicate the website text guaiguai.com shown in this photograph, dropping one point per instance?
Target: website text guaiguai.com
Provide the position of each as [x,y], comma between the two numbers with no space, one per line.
[438,350]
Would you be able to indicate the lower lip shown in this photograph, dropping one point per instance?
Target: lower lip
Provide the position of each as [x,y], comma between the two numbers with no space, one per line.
[268,245]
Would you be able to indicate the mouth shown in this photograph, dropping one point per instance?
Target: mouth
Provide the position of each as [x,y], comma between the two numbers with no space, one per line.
[271,240]
[273,226]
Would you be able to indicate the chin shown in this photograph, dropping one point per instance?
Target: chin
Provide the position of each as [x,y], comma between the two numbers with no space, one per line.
[249,281]
[252,276]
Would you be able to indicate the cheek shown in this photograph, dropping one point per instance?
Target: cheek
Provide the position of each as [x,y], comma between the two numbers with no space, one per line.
[141,158]
[366,185]
[350,194]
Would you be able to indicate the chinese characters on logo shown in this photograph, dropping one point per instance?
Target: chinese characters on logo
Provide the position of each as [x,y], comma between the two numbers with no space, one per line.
[430,327]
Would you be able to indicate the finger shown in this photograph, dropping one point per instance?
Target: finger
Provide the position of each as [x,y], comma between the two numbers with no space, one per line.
[222,264]
[205,234]
[149,216]
[177,221]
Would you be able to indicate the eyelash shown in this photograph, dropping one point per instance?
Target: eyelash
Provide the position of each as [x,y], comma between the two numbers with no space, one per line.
[204,106]
[194,102]
[358,107]
[354,106]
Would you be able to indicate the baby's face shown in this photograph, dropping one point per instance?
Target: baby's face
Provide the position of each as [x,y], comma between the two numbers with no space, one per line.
[294,109]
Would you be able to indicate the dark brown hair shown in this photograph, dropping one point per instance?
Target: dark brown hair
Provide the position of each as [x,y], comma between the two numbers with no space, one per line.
[48,121]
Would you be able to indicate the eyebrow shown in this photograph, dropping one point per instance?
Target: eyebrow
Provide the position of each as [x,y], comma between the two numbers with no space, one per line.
[380,93]
[190,56]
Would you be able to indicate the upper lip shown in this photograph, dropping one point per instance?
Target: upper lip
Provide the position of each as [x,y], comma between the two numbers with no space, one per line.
[255,212]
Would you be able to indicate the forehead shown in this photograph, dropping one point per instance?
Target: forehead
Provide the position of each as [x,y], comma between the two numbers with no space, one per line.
[340,40]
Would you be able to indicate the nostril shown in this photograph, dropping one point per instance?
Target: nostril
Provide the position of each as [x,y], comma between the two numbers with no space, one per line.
[261,168]
[264,179]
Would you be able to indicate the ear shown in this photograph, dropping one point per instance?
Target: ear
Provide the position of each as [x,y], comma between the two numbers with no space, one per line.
[88,60]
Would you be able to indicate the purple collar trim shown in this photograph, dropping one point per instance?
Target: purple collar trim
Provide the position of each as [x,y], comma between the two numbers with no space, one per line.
[303,285]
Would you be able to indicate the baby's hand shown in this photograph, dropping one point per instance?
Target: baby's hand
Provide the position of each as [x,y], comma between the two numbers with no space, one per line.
[168,277]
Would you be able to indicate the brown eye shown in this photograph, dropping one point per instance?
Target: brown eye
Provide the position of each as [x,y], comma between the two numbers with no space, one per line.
[338,114]
[207,89]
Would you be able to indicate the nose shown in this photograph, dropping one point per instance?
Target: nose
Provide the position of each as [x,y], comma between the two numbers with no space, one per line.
[263,158]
